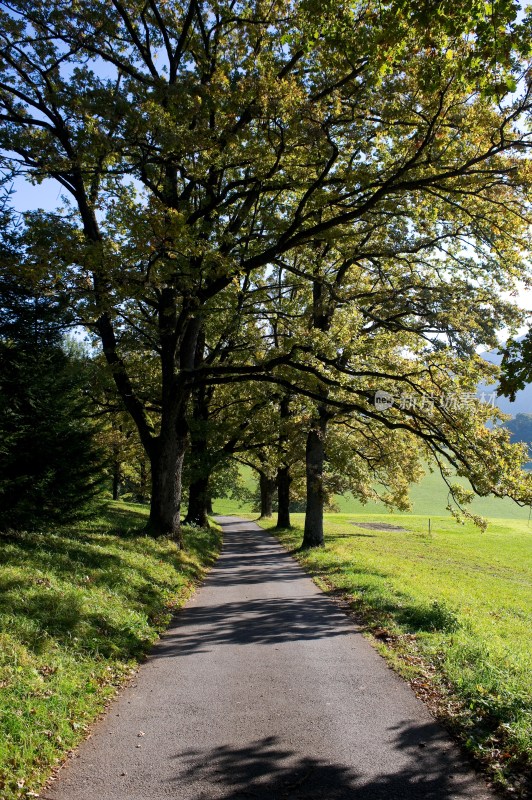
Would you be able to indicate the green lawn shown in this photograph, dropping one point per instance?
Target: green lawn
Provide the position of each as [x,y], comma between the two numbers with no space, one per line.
[78,609]
[452,611]
[429,498]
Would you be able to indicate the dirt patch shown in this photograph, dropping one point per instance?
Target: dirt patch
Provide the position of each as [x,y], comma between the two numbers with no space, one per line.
[380,526]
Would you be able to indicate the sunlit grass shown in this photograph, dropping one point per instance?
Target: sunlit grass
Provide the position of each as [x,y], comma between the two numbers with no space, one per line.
[429,497]
[78,608]
[453,611]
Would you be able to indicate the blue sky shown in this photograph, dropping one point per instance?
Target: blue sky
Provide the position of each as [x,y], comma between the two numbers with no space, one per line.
[26,197]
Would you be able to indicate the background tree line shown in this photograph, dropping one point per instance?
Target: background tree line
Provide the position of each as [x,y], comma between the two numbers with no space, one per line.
[271,211]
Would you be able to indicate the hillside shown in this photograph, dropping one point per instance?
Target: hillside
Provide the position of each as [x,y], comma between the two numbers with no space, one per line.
[523,399]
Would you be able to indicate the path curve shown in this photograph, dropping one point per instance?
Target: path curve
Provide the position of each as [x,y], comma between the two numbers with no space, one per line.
[262,688]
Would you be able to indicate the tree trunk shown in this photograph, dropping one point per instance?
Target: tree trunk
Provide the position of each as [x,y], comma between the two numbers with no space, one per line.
[116,480]
[315,457]
[267,490]
[143,486]
[322,312]
[284,480]
[168,449]
[198,502]
[200,459]
[166,469]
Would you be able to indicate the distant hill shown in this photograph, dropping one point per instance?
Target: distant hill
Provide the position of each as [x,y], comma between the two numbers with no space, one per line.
[523,399]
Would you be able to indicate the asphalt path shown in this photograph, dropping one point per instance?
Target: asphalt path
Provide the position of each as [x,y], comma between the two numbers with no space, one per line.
[263,688]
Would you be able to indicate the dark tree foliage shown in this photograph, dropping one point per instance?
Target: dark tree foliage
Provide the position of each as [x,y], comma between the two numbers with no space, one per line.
[50,467]
[516,366]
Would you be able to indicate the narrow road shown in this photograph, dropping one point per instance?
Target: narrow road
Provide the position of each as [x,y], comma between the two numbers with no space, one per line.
[262,688]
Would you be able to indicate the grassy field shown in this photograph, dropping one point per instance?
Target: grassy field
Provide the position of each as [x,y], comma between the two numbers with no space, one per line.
[78,609]
[429,497]
[451,610]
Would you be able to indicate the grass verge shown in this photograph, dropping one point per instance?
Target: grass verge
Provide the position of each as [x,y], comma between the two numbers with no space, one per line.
[452,612]
[78,608]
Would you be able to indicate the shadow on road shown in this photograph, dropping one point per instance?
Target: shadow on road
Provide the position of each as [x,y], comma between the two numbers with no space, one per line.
[253,622]
[269,769]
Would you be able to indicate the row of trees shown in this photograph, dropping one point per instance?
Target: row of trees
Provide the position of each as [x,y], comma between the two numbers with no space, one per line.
[272,211]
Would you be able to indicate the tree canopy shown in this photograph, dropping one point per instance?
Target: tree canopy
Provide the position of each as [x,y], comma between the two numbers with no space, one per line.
[325,196]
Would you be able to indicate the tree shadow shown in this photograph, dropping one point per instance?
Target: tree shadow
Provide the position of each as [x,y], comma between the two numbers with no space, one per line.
[428,617]
[253,556]
[43,614]
[74,551]
[252,622]
[377,608]
[9,583]
[62,570]
[128,523]
[249,566]
[249,555]
[418,764]
[380,603]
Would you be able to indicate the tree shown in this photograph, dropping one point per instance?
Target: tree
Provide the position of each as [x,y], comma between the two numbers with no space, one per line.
[50,464]
[267,450]
[225,428]
[50,467]
[202,143]
[516,366]
[416,340]
[127,464]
